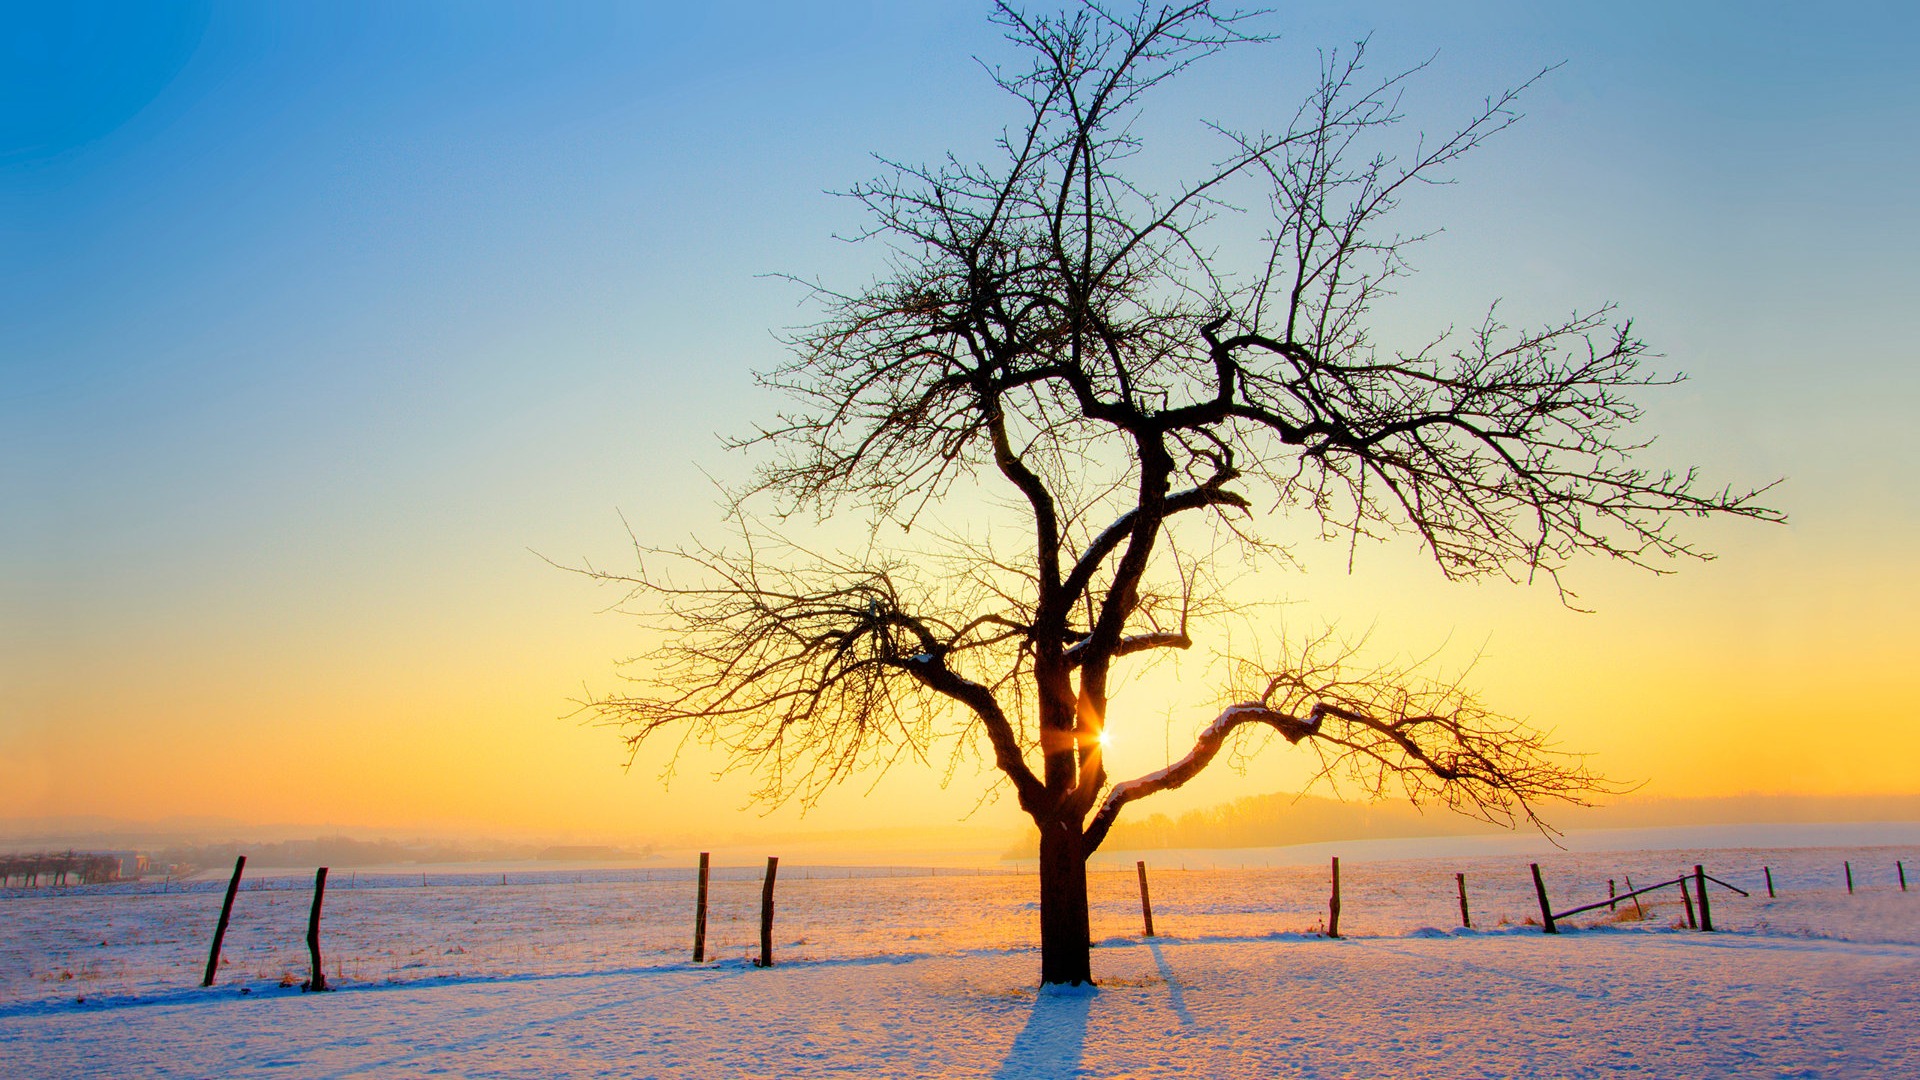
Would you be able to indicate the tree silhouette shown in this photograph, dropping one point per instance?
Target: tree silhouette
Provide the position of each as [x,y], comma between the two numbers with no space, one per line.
[1052,324]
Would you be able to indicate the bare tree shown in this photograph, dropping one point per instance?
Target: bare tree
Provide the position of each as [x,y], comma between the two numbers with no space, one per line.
[1051,323]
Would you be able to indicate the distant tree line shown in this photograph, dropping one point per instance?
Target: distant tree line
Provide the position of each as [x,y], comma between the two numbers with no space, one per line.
[1280,819]
[341,851]
[59,868]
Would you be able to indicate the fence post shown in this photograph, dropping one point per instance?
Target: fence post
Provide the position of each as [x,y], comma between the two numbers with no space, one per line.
[1849,868]
[1460,882]
[1768,870]
[1638,911]
[766,913]
[1333,902]
[1700,886]
[220,928]
[1686,897]
[1546,909]
[1613,902]
[1901,869]
[1146,905]
[319,980]
[700,915]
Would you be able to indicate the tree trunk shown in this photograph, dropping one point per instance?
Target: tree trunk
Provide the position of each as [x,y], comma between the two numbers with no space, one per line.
[1065,943]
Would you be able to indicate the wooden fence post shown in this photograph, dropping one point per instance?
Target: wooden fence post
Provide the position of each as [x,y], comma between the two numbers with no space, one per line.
[1333,902]
[1546,909]
[1460,882]
[1768,870]
[1686,897]
[700,915]
[1706,909]
[1638,911]
[1901,869]
[1612,903]
[319,980]
[1849,868]
[220,928]
[1146,905]
[766,913]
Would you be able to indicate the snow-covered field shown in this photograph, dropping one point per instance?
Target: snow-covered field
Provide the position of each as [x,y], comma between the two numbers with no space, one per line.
[586,973]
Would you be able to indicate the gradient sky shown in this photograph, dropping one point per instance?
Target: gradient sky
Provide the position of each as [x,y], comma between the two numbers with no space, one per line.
[317,320]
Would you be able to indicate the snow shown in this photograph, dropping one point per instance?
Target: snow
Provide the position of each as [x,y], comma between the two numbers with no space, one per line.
[585,974]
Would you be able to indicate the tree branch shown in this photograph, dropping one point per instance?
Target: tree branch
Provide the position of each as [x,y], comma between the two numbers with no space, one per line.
[1292,728]
[1384,728]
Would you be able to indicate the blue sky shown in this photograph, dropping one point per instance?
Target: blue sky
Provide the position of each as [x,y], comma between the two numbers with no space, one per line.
[316,318]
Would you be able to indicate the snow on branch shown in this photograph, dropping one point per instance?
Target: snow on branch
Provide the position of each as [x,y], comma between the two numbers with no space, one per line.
[1390,730]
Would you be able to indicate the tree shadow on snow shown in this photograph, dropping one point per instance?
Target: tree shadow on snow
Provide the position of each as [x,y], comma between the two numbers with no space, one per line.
[1056,1034]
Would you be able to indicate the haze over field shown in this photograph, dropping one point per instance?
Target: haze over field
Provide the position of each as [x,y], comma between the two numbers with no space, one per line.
[318,323]
[1295,827]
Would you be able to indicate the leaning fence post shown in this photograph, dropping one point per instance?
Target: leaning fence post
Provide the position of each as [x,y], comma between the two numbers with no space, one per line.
[1634,895]
[1546,910]
[766,913]
[700,915]
[1768,870]
[1686,898]
[1460,882]
[1146,905]
[220,928]
[319,980]
[1700,886]
[1333,902]
[1849,868]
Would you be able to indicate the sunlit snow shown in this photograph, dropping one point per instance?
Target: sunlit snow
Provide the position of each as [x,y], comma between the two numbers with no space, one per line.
[896,973]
